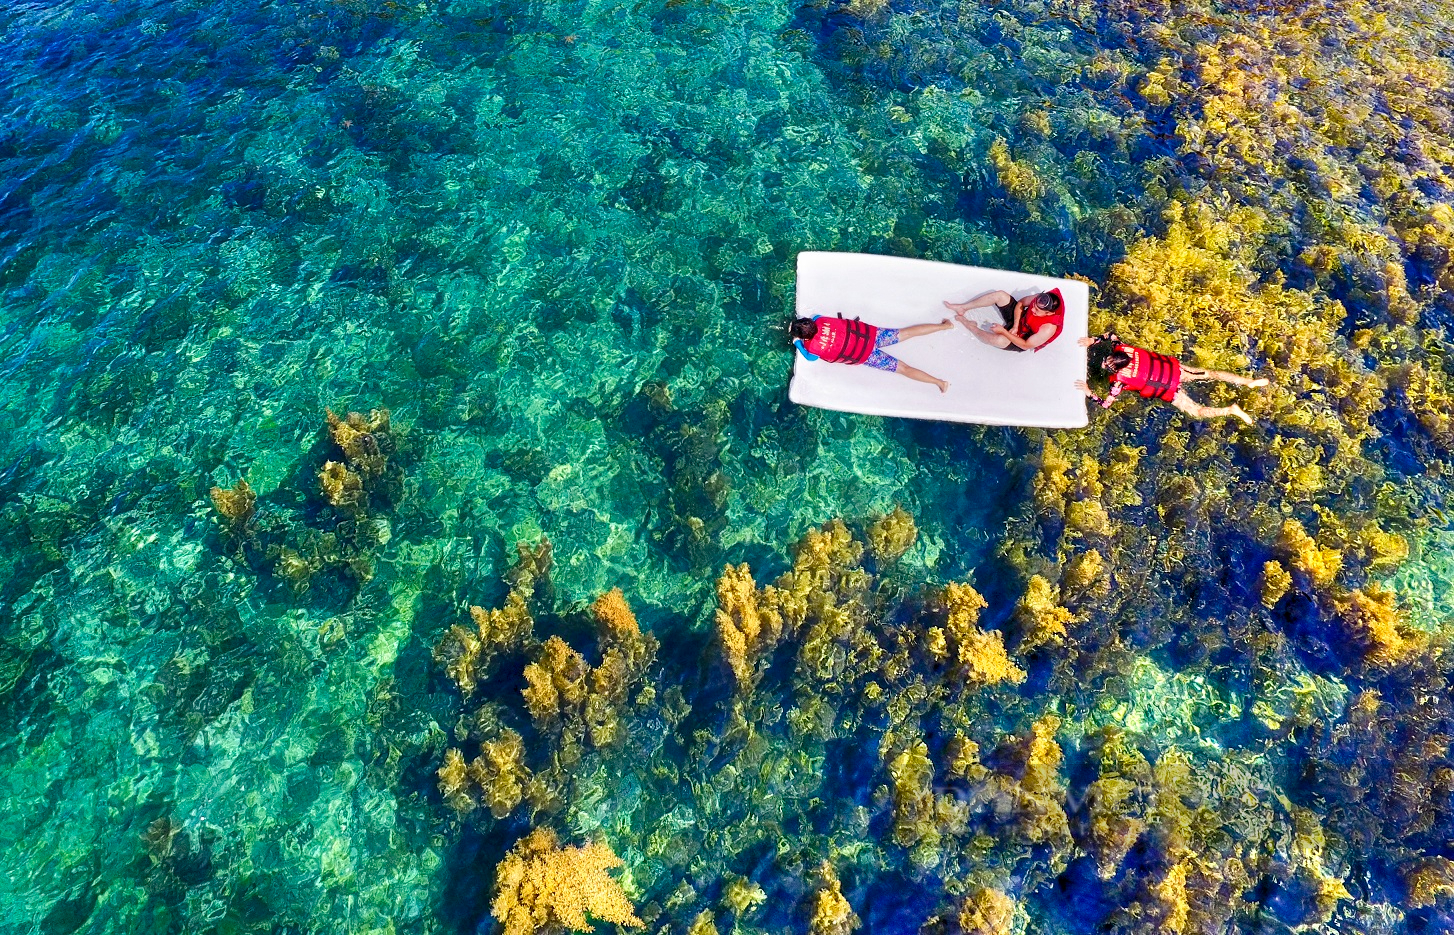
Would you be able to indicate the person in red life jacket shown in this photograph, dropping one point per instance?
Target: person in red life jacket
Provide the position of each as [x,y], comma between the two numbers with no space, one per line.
[841,340]
[1154,376]
[1026,324]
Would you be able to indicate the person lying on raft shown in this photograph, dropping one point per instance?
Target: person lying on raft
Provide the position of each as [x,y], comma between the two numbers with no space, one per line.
[1154,376]
[1028,324]
[841,340]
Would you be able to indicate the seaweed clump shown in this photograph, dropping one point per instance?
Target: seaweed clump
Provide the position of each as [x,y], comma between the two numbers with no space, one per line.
[572,706]
[831,913]
[342,530]
[541,887]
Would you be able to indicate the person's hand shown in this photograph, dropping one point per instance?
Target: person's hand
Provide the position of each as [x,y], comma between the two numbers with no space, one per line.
[1083,386]
[1085,342]
[999,329]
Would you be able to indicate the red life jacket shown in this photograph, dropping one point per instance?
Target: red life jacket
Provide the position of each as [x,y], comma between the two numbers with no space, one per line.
[1033,319]
[1151,374]
[842,340]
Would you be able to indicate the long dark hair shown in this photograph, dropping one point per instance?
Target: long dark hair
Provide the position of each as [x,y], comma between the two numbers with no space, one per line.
[1115,360]
[803,328]
[1104,356]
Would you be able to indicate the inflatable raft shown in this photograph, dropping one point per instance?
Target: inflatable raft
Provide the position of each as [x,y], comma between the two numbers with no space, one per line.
[987,385]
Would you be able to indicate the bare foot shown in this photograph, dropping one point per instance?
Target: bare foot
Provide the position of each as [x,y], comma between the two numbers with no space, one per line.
[1237,411]
[1260,381]
[959,309]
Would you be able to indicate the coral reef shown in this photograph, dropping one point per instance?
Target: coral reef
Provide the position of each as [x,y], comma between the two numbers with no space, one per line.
[748,625]
[1039,619]
[500,773]
[1373,626]
[1428,881]
[742,896]
[466,653]
[366,442]
[555,691]
[236,506]
[542,887]
[976,657]
[892,535]
[830,913]
[986,911]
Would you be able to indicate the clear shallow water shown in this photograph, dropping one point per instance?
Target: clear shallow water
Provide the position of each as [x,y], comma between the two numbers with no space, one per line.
[556,242]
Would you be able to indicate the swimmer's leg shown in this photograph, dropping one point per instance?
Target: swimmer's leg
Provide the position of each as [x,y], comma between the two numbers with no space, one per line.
[1198,411]
[881,361]
[988,337]
[1192,374]
[914,331]
[914,373]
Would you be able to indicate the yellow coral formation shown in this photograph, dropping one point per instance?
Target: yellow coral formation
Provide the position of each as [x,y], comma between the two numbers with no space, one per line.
[459,653]
[236,505]
[620,637]
[540,885]
[987,911]
[1052,481]
[1112,828]
[748,625]
[556,682]
[454,782]
[467,653]
[741,896]
[892,535]
[912,774]
[1428,881]
[362,439]
[1084,577]
[1303,553]
[626,653]
[505,628]
[1039,619]
[1017,177]
[1308,855]
[500,772]
[979,657]
[1374,625]
[1275,583]
[704,924]
[831,913]
[1029,788]
[1170,895]
[341,487]
[1383,550]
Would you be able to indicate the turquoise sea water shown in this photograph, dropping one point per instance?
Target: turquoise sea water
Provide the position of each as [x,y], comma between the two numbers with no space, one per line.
[556,242]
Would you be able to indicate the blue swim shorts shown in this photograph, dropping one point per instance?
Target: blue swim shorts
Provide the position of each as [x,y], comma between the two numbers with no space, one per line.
[878,360]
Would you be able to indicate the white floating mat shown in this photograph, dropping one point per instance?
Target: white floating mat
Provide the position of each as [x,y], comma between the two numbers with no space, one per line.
[986,384]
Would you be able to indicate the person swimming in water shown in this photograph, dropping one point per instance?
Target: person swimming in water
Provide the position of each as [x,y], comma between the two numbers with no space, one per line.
[1026,324]
[850,341]
[1155,376]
